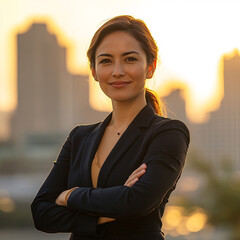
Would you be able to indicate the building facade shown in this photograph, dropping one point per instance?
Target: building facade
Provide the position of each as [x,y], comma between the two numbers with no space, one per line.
[51,101]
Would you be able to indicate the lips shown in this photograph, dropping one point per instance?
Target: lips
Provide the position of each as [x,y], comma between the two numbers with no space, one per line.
[119,84]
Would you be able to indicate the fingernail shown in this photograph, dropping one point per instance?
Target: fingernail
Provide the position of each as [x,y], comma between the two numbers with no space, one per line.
[143,165]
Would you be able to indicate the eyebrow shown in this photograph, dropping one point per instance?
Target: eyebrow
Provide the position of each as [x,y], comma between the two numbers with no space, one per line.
[124,54]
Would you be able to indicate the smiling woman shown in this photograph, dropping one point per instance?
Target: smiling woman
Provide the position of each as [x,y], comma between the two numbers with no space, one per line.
[113,179]
[121,67]
[137,36]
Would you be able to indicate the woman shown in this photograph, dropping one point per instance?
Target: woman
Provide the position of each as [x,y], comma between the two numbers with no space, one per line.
[112,179]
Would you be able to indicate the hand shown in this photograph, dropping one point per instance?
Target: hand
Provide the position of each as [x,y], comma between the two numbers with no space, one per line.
[134,177]
[131,180]
[63,197]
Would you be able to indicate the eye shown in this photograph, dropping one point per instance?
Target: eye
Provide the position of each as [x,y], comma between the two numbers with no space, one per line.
[130,59]
[105,61]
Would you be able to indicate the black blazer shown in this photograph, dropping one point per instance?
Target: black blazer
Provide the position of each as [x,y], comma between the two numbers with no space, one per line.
[159,142]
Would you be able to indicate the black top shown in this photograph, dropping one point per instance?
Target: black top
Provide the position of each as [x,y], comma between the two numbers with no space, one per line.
[159,142]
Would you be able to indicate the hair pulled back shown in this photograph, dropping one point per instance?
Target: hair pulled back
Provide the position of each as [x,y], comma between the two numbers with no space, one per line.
[138,29]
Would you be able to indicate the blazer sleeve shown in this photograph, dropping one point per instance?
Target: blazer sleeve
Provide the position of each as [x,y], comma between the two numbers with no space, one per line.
[50,217]
[165,159]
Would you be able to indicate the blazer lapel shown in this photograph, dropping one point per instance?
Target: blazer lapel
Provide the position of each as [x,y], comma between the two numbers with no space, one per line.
[143,119]
[90,150]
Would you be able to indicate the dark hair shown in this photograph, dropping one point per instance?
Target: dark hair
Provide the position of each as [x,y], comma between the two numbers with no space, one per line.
[138,29]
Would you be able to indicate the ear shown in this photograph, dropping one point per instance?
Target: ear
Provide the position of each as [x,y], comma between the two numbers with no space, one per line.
[94,73]
[151,69]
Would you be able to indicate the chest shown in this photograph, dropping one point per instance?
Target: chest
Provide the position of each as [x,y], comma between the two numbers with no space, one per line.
[105,147]
[118,159]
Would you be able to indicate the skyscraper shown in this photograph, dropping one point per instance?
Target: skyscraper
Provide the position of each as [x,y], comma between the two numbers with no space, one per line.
[176,105]
[51,100]
[219,137]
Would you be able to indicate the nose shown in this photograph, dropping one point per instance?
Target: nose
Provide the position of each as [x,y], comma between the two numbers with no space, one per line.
[118,70]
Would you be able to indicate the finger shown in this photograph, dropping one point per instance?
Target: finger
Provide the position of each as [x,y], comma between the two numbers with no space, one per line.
[139,169]
[136,175]
[132,180]
[131,183]
[137,172]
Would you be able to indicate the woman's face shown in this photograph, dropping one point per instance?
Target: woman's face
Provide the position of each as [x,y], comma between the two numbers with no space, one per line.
[121,67]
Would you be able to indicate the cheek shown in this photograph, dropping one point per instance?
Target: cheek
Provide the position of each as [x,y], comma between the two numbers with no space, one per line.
[138,73]
[102,74]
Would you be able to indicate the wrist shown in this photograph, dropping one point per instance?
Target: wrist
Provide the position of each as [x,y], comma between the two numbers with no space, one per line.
[68,193]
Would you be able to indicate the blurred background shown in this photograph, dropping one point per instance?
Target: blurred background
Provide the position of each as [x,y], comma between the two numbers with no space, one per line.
[46,89]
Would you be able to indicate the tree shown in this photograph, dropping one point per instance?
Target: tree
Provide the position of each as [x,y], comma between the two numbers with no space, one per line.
[220,194]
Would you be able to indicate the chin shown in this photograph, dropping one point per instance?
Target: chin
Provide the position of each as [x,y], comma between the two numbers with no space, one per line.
[124,99]
[125,96]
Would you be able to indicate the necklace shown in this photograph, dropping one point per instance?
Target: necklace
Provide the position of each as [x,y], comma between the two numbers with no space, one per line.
[117,132]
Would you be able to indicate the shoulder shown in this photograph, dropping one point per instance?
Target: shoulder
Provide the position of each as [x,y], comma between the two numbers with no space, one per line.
[162,124]
[83,130]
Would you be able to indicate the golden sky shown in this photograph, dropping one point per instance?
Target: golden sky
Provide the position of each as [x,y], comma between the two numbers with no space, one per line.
[192,37]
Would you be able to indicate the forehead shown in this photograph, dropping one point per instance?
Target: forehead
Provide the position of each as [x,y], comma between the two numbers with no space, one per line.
[119,42]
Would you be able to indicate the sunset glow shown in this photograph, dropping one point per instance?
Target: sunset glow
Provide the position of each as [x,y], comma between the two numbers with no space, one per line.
[192,37]
[177,222]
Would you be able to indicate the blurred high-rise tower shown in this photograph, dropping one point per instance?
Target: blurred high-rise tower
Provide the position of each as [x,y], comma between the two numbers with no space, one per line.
[51,100]
[176,105]
[219,137]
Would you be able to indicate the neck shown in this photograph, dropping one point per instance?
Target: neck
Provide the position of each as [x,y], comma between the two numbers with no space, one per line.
[125,112]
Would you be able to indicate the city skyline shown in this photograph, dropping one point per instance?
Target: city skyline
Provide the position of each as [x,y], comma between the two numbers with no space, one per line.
[164,89]
[52,101]
[187,53]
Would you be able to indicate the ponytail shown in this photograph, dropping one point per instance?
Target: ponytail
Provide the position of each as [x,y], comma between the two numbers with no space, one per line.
[155,102]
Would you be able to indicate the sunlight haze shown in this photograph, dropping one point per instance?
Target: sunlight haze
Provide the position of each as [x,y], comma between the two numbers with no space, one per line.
[192,37]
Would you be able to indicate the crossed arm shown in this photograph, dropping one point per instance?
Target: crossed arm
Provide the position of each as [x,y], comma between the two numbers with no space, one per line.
[133,178]
[51,214]
[142,192]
